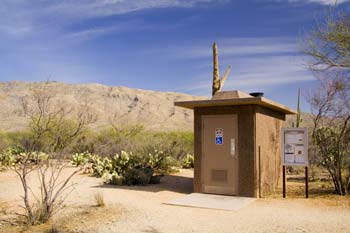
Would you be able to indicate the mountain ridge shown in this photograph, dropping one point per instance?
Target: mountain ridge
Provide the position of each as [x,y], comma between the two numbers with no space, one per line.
[154,110]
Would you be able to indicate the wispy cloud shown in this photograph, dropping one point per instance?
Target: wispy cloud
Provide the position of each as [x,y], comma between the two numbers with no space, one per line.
[255,74]
[93,32]
[19,16]
[323,2]
[236,47]
[98,8]
[327,2]
[257,63]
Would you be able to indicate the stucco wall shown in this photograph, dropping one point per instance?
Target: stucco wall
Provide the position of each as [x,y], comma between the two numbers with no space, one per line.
[268,139]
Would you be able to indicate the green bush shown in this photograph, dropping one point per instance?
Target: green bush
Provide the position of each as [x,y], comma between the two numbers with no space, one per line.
[138,176]
[188,161]
[113,178]
[8,157]
[135,139]
[38,157]
[79,159]
[102,166]
[128,168]
[122,162]
[12,156]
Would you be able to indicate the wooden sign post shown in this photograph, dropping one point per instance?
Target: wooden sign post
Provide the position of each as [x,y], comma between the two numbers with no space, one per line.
[294,152]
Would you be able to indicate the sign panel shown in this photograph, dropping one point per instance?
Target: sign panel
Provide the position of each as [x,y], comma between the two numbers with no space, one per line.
[294,146]
[219,138]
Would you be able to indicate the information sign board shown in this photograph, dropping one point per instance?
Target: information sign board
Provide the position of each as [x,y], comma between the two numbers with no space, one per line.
[294,147]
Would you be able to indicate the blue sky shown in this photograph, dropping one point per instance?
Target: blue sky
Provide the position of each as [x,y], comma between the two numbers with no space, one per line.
[161,45]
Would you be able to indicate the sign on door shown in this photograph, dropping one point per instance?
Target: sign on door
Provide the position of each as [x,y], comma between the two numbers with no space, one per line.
[219,136]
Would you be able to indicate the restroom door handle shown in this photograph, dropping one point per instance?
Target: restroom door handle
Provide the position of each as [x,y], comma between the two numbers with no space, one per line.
[232,147]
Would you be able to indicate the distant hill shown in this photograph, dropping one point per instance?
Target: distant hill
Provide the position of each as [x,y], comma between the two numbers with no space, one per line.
[155,110]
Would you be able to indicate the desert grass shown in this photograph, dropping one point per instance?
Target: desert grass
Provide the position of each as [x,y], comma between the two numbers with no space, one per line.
[99,200]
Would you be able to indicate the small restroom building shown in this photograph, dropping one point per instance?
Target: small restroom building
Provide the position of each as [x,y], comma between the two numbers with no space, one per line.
[237,144]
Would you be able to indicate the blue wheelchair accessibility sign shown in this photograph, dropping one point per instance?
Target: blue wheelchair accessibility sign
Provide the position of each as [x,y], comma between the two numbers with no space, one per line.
[218,140]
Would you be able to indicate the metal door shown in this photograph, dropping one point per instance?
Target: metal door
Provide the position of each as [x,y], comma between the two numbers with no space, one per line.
[220,154]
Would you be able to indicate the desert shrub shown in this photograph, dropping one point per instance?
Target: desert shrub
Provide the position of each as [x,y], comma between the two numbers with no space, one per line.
[131,169]
[85,142]
[137,140]
[4,142]
[188,161]
[160,162]
[122,162]
[334,151]
[12,156]
[174,144]
[111,141]
[17,139]
[79,159]
[38,157]
[53,229]
[99,199]
[39,213]
[138,176]
[102,166]
[8,157]
[112,178]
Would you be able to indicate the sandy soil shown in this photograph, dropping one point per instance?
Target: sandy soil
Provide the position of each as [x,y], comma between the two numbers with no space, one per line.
[140,209]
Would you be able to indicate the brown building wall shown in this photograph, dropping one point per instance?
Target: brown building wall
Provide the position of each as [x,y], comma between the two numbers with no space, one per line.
[268,128]
[246,133]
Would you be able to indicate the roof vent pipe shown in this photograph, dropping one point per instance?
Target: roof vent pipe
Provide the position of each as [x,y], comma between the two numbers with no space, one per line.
[257,94]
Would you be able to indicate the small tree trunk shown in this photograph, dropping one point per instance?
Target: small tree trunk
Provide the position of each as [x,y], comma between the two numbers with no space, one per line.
[26,195]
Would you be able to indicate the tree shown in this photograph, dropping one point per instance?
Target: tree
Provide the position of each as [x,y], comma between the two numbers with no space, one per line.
[331,131]
[329,43]
[53,127]
[328,46]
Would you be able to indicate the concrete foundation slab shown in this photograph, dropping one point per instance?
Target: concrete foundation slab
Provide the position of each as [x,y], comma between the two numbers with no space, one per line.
[210,201]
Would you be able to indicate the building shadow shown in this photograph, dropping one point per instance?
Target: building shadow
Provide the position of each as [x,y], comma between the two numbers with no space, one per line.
[173,183]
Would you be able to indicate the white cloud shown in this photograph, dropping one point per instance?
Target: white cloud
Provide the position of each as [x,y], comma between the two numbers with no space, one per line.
[98,8]
[328,2]
[257,63]
[21,16]
[323,2]
[237,47]
[93,32]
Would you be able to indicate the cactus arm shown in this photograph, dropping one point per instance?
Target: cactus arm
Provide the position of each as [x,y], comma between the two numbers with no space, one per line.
[227,73]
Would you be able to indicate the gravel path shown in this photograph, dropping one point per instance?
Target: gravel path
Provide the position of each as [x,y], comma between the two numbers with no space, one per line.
[142,209]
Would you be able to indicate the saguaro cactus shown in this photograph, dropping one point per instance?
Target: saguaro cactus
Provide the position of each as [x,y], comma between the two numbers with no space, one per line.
[217,82]
[299,120]
[216,76]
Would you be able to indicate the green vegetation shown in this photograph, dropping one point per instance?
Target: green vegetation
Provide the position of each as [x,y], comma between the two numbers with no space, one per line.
[136,139]
[328,47]
[188,161]
[128,168]
[125,156]
[140,143]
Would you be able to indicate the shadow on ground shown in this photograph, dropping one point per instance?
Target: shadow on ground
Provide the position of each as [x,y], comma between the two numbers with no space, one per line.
[173,183]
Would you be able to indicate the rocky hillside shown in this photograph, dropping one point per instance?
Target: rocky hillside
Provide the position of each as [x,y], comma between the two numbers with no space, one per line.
[121,105]
[155,110]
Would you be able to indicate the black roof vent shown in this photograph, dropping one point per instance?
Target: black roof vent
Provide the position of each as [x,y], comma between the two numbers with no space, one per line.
[257,94]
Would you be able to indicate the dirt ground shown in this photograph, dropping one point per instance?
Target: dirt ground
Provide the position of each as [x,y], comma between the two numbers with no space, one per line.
[140,209]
